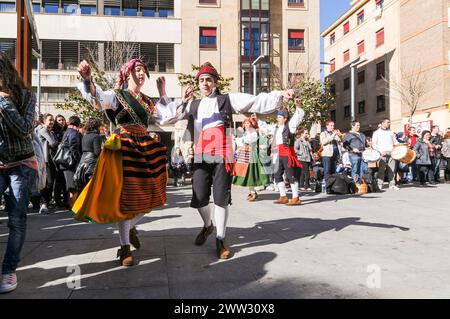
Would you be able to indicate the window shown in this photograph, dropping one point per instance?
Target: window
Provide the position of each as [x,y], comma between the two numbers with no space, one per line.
[362,107]
[112,11]
[296,40]
[296,3]
[346,83]
[333,115]
[295,78]
[333,88]
[379,4]
[207,1]
[347,27]
[361,17]
[361,77]
[346,56]
[88,10]
[7,7]
[36,7]
[8,46]
[333,65]
[55,94]
[148,12]
[347,111]
[130,8]
[380,37]
[70,7]
[381,103]
[381,71]
[332,38]
[51,6]
[208,37]
[361,47]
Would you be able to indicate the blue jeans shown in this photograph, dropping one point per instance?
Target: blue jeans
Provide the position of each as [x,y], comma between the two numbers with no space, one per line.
[19,180]
[437,169]
[329,166]
[357,169]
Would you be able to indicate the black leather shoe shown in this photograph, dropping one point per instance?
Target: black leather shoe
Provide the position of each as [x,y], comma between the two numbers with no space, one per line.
[222,249]
[203,235]
[134,240]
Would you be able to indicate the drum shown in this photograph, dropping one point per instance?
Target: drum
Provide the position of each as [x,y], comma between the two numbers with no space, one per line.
[403,154]
[371,156]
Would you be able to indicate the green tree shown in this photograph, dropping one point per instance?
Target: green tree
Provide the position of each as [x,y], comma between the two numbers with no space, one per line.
[316,98]
[76,103]
[189,79]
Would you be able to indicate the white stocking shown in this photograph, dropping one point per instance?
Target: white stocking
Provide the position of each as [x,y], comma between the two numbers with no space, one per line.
[124,232]
[221,218]
[294,190]
[282,189]
[205,212]
[136,220]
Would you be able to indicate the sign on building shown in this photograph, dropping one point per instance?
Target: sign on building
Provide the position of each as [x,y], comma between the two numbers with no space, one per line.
[420,126]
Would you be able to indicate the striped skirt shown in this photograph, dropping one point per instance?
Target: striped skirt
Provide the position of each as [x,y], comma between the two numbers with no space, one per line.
[126,182]
[144,164]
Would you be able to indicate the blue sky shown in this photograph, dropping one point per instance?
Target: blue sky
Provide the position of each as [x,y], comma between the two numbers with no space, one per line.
[330,10]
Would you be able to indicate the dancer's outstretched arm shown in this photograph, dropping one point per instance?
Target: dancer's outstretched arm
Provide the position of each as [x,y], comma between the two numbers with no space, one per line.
[296,119]
[263,103]
[171,112]
[92,92]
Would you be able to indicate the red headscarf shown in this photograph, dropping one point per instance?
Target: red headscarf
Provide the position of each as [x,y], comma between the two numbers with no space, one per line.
[126,69]
[251,121]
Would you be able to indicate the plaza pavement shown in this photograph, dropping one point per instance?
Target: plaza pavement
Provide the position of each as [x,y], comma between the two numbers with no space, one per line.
[384,245]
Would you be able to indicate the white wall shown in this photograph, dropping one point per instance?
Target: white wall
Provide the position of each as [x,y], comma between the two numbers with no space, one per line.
[98,28]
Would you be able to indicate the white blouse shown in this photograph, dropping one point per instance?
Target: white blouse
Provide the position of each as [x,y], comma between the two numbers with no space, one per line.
[106,100]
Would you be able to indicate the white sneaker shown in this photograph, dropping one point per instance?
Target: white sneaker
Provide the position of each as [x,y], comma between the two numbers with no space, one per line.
[394,187]
[9,283]
[270,188]
[44,209]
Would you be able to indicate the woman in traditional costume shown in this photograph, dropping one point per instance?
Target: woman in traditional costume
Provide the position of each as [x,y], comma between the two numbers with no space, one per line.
[249,171]
[131,173]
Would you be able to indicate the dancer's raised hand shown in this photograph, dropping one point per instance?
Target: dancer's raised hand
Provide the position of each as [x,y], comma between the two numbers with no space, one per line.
[84,69]
[161,84]
[288,94]
[188,93]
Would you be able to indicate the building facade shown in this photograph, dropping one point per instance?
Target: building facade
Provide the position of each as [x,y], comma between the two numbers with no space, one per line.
[171,36]
[396,42]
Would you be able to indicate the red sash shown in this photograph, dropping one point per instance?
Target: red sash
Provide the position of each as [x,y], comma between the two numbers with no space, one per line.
[215,142]
[284,150]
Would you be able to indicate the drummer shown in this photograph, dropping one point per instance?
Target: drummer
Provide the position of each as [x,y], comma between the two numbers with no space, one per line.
[384,140]
[355,143]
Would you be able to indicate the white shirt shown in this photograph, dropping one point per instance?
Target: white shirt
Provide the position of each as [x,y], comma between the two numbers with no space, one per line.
[107,101]
[384,140]
[277,131]
[208,115]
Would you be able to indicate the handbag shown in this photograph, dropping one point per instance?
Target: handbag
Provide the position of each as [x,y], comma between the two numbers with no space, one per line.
[63,156]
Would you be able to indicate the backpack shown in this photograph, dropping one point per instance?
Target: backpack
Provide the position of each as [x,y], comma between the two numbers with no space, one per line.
[341,184]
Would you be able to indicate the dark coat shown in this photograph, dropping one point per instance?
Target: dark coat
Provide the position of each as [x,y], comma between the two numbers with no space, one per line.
[423,154]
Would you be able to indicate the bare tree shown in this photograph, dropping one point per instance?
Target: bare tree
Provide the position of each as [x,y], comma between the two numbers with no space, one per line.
[409,90]
[105,62]
[116,53]
[316,97]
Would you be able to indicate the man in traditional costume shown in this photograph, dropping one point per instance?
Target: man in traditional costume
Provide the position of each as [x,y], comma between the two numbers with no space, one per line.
[131,173]
[249,171]
[209,120]
[284,157]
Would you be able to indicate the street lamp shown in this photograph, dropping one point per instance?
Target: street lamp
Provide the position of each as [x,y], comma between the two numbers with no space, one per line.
[254,72]
[353,67]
